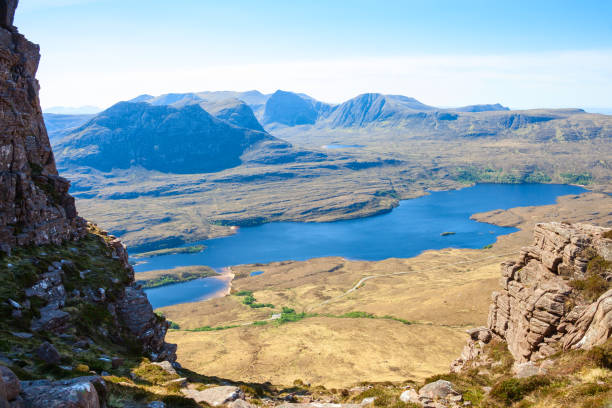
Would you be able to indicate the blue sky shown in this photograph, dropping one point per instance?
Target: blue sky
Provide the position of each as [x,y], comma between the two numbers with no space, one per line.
[520,53]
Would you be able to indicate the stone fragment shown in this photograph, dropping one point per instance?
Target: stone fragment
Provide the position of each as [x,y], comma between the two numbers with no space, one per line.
[49,354]
[240,403]
[116,362]
[51,319]
[136,313]
[166,366]
[410,396]
[12,387]
[528,369]
[440,389]
[214,396]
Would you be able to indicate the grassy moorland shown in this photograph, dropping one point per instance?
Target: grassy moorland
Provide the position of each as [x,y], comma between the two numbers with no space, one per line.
[170,251]
[343,309]
[150,210]
[162,277]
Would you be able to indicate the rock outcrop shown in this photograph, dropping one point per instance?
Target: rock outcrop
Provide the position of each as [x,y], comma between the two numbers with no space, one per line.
[541,308]
[59,295]
[81,392]
[35,207]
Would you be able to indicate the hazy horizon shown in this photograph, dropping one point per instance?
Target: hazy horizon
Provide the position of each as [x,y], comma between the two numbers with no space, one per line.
[520,54]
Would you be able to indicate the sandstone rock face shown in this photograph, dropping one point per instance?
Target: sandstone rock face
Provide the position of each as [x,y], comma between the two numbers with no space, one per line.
[593,327]
[137,315]
[533,312]
[35,207]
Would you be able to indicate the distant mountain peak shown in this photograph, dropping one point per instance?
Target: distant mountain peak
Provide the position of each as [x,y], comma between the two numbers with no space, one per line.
[292,109]
[175,139]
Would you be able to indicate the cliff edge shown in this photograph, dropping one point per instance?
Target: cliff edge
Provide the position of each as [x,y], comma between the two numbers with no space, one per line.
[68,300]
[550,297]
[35,207]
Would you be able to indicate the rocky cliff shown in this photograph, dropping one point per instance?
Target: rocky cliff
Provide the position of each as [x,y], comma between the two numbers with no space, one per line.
[557,296]
[67,296]
[35,206]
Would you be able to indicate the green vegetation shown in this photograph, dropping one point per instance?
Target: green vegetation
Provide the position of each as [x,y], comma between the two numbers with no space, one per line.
[576,378]
[91,254]
[470,175]
[170,251]
[153,279]
[385,396]
[289,315]
[515,389]
[577,178]
[594,284]
[489,246]
[250,301]
[447,233]
[209,328]
[365,315]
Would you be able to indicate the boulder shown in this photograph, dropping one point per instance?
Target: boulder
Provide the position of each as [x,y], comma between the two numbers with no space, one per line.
[410,396]
[214,396]
[11,384]
[166,366]
[528,369]
[317,405]
[51,319]
[240,403]
[82,392]
[136,313]
[438,390]
[49,354]
[117,362]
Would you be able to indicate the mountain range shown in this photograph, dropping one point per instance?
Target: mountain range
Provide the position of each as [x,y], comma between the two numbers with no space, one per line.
[211,131]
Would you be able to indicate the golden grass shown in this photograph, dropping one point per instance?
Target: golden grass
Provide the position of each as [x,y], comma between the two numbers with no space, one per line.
[444,291]
[332,352]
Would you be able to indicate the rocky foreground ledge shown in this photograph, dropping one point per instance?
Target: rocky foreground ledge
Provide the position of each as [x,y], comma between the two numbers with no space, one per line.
[555,297]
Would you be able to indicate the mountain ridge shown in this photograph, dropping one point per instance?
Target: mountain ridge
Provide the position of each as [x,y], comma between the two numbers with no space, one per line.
[183,139]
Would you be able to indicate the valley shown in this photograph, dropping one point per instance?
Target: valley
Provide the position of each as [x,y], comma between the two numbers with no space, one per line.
[280,170]
[406,320]
[288,252]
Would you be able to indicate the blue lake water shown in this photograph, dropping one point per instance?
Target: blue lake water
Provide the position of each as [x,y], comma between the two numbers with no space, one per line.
[192,291]
[414,226]
[255,273]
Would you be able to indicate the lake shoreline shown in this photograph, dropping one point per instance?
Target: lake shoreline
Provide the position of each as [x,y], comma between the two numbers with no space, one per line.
[469,214]
[234,229]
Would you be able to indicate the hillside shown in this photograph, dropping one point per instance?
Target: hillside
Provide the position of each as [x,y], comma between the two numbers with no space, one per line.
[59,124]
[290,109]
[158,137]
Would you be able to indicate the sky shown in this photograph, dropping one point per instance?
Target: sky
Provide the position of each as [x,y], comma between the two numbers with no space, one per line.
[523,54]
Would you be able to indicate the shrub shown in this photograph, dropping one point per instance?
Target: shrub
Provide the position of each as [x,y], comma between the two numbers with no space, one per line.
[608,234]
[515,389]
[601,356]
